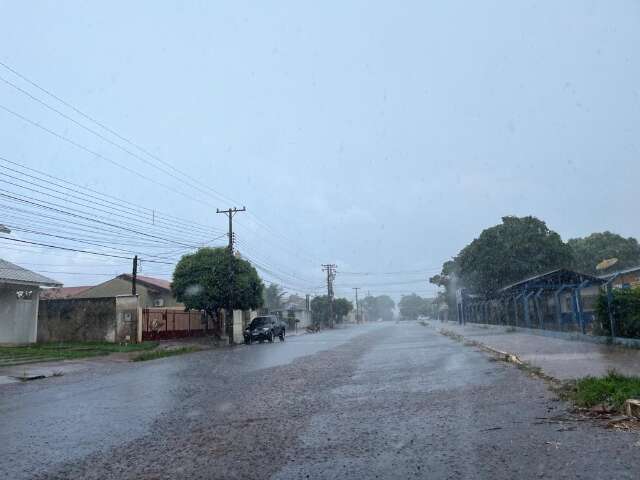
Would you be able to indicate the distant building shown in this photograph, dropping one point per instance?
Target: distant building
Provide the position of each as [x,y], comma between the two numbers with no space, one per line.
[152,292]
[296,312]
[19,297]
[628,278]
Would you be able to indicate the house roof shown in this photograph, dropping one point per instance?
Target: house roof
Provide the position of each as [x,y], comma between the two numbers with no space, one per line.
[62,292]
[620,272]
[157,283]
[560,275]
[12,273]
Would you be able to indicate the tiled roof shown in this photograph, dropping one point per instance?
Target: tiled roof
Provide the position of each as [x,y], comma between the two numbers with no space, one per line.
[10,273]
[62,292]
[149,281]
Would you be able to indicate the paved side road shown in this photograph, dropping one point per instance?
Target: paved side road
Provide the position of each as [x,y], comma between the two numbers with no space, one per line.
[377,401]
[560,358]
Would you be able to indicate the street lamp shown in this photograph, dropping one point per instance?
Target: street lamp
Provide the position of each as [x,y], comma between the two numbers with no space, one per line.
[4,229]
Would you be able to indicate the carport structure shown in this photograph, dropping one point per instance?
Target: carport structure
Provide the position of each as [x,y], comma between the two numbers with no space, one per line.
[557,300]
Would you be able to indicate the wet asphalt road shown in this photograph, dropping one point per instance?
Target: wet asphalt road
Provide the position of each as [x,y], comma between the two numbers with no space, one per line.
[375,401]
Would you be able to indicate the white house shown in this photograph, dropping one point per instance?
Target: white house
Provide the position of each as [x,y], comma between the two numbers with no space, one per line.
[19,296]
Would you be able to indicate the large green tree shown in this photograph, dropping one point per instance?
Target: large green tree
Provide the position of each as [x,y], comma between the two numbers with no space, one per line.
[342,307]
[378,307]
[515,249]
[412,306]
[320,309]
[273,297]
[591,250]
[201,281]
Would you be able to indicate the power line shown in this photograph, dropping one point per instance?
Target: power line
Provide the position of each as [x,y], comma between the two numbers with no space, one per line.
[104,127]
[77,250]
[122,212]
[96,154]
[111,199]
[60,209]
[208,190]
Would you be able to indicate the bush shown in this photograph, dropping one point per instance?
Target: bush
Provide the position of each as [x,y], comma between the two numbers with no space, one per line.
[625,307]
[612,390]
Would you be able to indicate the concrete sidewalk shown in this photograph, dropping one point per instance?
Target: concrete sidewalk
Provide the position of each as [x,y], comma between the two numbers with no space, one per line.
[557,357]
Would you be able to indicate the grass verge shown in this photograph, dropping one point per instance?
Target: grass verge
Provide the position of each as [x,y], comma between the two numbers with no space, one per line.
[52,351]
[155,354]
[611,390]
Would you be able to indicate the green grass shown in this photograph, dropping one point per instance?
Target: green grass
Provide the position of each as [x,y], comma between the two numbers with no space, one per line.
[612,389]
[155,354]
[52,351]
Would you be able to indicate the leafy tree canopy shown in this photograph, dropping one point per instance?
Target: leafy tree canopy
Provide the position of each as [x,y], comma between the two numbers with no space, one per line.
[378,307]
[515,249]
[273,297]
[201,281]
[320,309]
[412,306]
[591,250]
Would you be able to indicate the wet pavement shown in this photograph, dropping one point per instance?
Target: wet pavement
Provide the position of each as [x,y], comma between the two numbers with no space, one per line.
[375,401]
[559,358]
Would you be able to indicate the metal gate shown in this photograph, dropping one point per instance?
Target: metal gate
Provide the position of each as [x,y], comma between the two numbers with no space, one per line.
[164,323]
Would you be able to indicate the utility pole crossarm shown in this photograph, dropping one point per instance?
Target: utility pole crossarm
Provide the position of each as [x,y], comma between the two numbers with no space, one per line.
[230,212]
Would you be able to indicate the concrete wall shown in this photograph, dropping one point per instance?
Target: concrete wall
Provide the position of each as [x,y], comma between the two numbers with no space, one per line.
[74,319]
[120,286]
[18,317]
[127,312]
[238,326]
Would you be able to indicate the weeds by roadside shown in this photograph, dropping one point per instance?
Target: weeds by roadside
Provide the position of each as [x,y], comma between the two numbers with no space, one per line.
[53,351]
[611,390]
[600,398]
[155,354]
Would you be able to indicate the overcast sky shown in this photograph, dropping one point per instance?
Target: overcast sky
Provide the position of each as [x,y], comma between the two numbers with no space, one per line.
[381,136]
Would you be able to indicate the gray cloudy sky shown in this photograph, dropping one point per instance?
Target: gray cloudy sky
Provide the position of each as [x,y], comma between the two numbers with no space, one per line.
[382,136]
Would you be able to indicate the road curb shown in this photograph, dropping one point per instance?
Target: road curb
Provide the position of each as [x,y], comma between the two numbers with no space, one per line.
[506,356]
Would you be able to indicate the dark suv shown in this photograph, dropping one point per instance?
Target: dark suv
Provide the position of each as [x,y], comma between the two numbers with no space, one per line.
[265,327]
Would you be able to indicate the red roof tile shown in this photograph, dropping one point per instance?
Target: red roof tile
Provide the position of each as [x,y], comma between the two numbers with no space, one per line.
[149,281]
[62,292]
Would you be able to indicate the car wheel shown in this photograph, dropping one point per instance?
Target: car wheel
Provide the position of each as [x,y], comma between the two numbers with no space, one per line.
[282,334]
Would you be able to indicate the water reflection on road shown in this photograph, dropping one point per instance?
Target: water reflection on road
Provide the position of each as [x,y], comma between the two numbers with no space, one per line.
[58,421]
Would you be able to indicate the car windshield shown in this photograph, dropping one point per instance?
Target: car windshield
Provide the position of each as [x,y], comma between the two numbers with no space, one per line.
[260,322]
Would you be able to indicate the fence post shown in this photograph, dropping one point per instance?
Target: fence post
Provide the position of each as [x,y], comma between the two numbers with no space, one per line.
[578,294]
[559,306]
[609,309]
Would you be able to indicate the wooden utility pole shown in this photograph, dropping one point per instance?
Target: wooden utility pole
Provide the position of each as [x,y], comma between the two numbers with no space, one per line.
[357,309]
[230,212]
[134,275]
[330,268]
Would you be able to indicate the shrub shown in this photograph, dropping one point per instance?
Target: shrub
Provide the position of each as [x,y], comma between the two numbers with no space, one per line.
[613,390]
[625,307]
